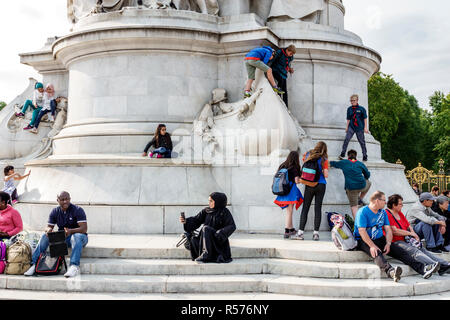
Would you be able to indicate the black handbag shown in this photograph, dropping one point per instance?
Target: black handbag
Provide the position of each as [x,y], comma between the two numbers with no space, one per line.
[49,266]
[57,244]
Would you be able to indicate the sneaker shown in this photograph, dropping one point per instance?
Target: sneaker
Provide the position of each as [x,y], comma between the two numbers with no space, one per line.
[430,269]
[201,259]
[395,273]
[434,250]
[20,115]
[51,118]
[447,248]
[278,90]
[444,269]
[72,272]
[30,272]
[288,234]
[159,156]
[247,94]
[28,127]
[34,130]
[150,155]
[341,157]
[316,237]
[298,236]
[365,159]
[14,202]
[444,249]
[361,203]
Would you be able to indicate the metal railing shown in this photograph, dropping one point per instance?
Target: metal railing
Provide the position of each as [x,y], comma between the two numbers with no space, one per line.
[423,176]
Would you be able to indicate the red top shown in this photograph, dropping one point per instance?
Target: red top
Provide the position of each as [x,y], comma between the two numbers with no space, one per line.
[10,221]
[402,224]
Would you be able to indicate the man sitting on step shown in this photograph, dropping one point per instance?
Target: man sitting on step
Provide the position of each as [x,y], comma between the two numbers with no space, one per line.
[369,224]
[71,219]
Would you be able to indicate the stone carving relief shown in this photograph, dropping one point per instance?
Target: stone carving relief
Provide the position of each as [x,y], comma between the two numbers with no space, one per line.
[305,10]
[77,9]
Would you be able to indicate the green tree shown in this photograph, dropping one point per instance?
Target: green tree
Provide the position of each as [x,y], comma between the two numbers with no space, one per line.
[2,105]
[439,119]
[397,122]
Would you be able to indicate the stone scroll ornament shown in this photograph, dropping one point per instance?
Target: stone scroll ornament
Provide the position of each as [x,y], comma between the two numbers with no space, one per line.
[306,10]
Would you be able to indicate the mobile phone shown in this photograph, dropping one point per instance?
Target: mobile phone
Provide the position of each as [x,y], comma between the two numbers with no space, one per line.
[182,215]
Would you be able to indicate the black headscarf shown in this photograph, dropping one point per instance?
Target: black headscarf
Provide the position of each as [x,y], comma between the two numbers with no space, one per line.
[220,202]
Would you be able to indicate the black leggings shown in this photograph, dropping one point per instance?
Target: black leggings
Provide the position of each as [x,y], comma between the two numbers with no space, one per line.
[317,192]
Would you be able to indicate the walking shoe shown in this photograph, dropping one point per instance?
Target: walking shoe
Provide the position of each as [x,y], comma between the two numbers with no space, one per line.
[434,250]
[288,234]
[51,118]
[72,272]
[443,249]
[34,130]
[447,248]
[429,269]
[28,127]
[159,156]
[278,90]
[361,202]
[298,237]
[201,259]
[316,237]
[341,156]
[247,94]
[20,115]
[14,201]
[395,273]
[365,159]
[150,155]
[444,269]
[30,272]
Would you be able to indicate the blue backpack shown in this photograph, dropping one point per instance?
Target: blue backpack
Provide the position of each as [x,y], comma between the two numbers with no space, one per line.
[281,185]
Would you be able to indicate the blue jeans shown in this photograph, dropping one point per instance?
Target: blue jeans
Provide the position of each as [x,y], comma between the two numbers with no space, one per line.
[44,112]
[430,233]
[361,140]
[164,152]
[76,241]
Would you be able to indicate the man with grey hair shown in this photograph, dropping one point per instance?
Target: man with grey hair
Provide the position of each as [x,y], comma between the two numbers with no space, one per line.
[440,206]
[71,219]
[427,224]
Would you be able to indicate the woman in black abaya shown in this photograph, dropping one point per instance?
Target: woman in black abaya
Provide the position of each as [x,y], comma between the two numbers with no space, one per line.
[211,245]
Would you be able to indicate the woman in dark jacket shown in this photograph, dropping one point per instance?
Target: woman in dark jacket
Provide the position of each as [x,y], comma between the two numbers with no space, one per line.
[211,245]
[162,143]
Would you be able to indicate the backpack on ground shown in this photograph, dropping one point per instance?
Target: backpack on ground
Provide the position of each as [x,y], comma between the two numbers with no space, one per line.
[18,257]
[342,234]
[281,185]
[49,266]
[2,256]
[310,173]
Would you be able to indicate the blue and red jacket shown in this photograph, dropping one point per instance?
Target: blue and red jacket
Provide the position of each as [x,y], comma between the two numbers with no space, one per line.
[263,54]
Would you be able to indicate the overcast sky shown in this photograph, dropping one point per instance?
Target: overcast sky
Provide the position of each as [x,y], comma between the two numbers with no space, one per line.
[412,36]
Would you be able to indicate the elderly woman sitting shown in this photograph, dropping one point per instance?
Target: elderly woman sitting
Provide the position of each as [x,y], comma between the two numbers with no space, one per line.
[10,219]
[211,245]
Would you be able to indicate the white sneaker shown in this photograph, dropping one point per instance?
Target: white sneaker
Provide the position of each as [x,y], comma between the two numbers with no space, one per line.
[51,118]
[72,272]
[34,130]
[30,272]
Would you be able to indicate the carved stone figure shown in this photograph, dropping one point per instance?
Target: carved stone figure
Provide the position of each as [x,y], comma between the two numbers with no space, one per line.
[203,6]
[306,10]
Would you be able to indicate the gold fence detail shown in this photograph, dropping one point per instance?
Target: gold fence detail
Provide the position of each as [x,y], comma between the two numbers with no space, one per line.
[423,176]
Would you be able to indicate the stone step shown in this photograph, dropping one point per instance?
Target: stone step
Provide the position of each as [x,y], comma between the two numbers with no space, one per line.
[362,270]
[242,246]
[344,288]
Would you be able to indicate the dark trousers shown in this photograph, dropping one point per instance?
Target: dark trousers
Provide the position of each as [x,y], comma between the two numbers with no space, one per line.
[379,260]
[205,244]
[430,233]
[410,256]
[44,112]
[317,192]
[361,140]
[282,84]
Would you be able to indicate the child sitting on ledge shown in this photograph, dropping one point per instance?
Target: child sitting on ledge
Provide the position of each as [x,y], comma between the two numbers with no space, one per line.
[162,143]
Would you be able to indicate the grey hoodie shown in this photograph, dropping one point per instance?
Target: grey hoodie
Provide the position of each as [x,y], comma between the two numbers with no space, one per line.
[419,211]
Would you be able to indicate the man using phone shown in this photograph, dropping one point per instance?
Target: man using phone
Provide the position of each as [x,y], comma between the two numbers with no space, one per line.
[370,222]
[71,219]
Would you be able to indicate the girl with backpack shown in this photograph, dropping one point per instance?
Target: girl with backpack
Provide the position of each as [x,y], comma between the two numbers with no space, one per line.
[162,143]
[318,158]
[292,164]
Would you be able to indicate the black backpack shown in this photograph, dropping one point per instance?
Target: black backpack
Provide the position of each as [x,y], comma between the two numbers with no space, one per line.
[310,173]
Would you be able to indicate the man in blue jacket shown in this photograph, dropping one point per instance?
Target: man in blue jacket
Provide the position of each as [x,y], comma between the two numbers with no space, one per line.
[357,182]
[281,65]
[259,58]
[356,123]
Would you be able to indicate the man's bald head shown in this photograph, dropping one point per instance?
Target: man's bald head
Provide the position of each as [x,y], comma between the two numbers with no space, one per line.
[63,199]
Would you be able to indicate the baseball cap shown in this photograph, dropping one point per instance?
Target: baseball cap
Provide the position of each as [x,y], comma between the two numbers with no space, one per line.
[426,196]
